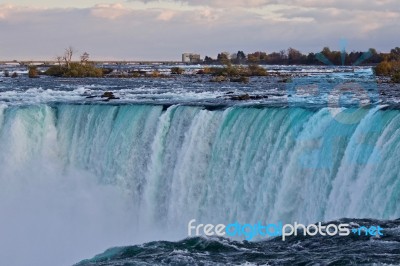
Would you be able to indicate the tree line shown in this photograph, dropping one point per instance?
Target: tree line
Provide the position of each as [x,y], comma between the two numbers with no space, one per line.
[292,56]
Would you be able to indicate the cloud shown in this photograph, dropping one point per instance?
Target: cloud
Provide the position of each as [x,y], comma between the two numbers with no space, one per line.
[229,4]
[339,4]
[8,9]
[130,32]
[110,11]
[166,15]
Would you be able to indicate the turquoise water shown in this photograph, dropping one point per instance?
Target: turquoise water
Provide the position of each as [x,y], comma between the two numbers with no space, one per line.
[219,166]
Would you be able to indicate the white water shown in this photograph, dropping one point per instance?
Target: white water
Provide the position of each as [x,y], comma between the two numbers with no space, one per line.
[77,179]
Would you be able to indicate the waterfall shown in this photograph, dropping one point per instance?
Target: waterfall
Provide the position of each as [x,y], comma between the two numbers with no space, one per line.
[120,172]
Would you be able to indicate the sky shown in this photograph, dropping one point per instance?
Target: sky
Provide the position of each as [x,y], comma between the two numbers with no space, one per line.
[164,29]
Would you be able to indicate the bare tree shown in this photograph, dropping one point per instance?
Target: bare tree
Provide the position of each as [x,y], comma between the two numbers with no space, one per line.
[59,60]
[84,58]
[69,52]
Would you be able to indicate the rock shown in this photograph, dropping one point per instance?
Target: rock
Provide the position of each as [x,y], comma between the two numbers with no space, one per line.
[177,71]
[245,97]
[14,75]
[258,97]
[285,80]
[242,97]
[240,79]
[219,79]
[109,95]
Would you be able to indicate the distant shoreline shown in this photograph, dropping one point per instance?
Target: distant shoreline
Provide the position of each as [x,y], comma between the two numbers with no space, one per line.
[46,63]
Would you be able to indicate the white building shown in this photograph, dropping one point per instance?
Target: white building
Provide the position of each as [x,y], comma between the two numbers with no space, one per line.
[190,58]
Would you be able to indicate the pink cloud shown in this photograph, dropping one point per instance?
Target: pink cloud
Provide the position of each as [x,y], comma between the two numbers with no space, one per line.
[110,11]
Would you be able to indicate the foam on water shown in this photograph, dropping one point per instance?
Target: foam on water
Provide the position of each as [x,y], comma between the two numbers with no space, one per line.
[189,89]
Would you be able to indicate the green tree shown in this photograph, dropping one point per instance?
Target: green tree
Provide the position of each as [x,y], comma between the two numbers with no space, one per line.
[395,54]
[294,56]
[208,60]
[383,69]
[241,55]
[223,58]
